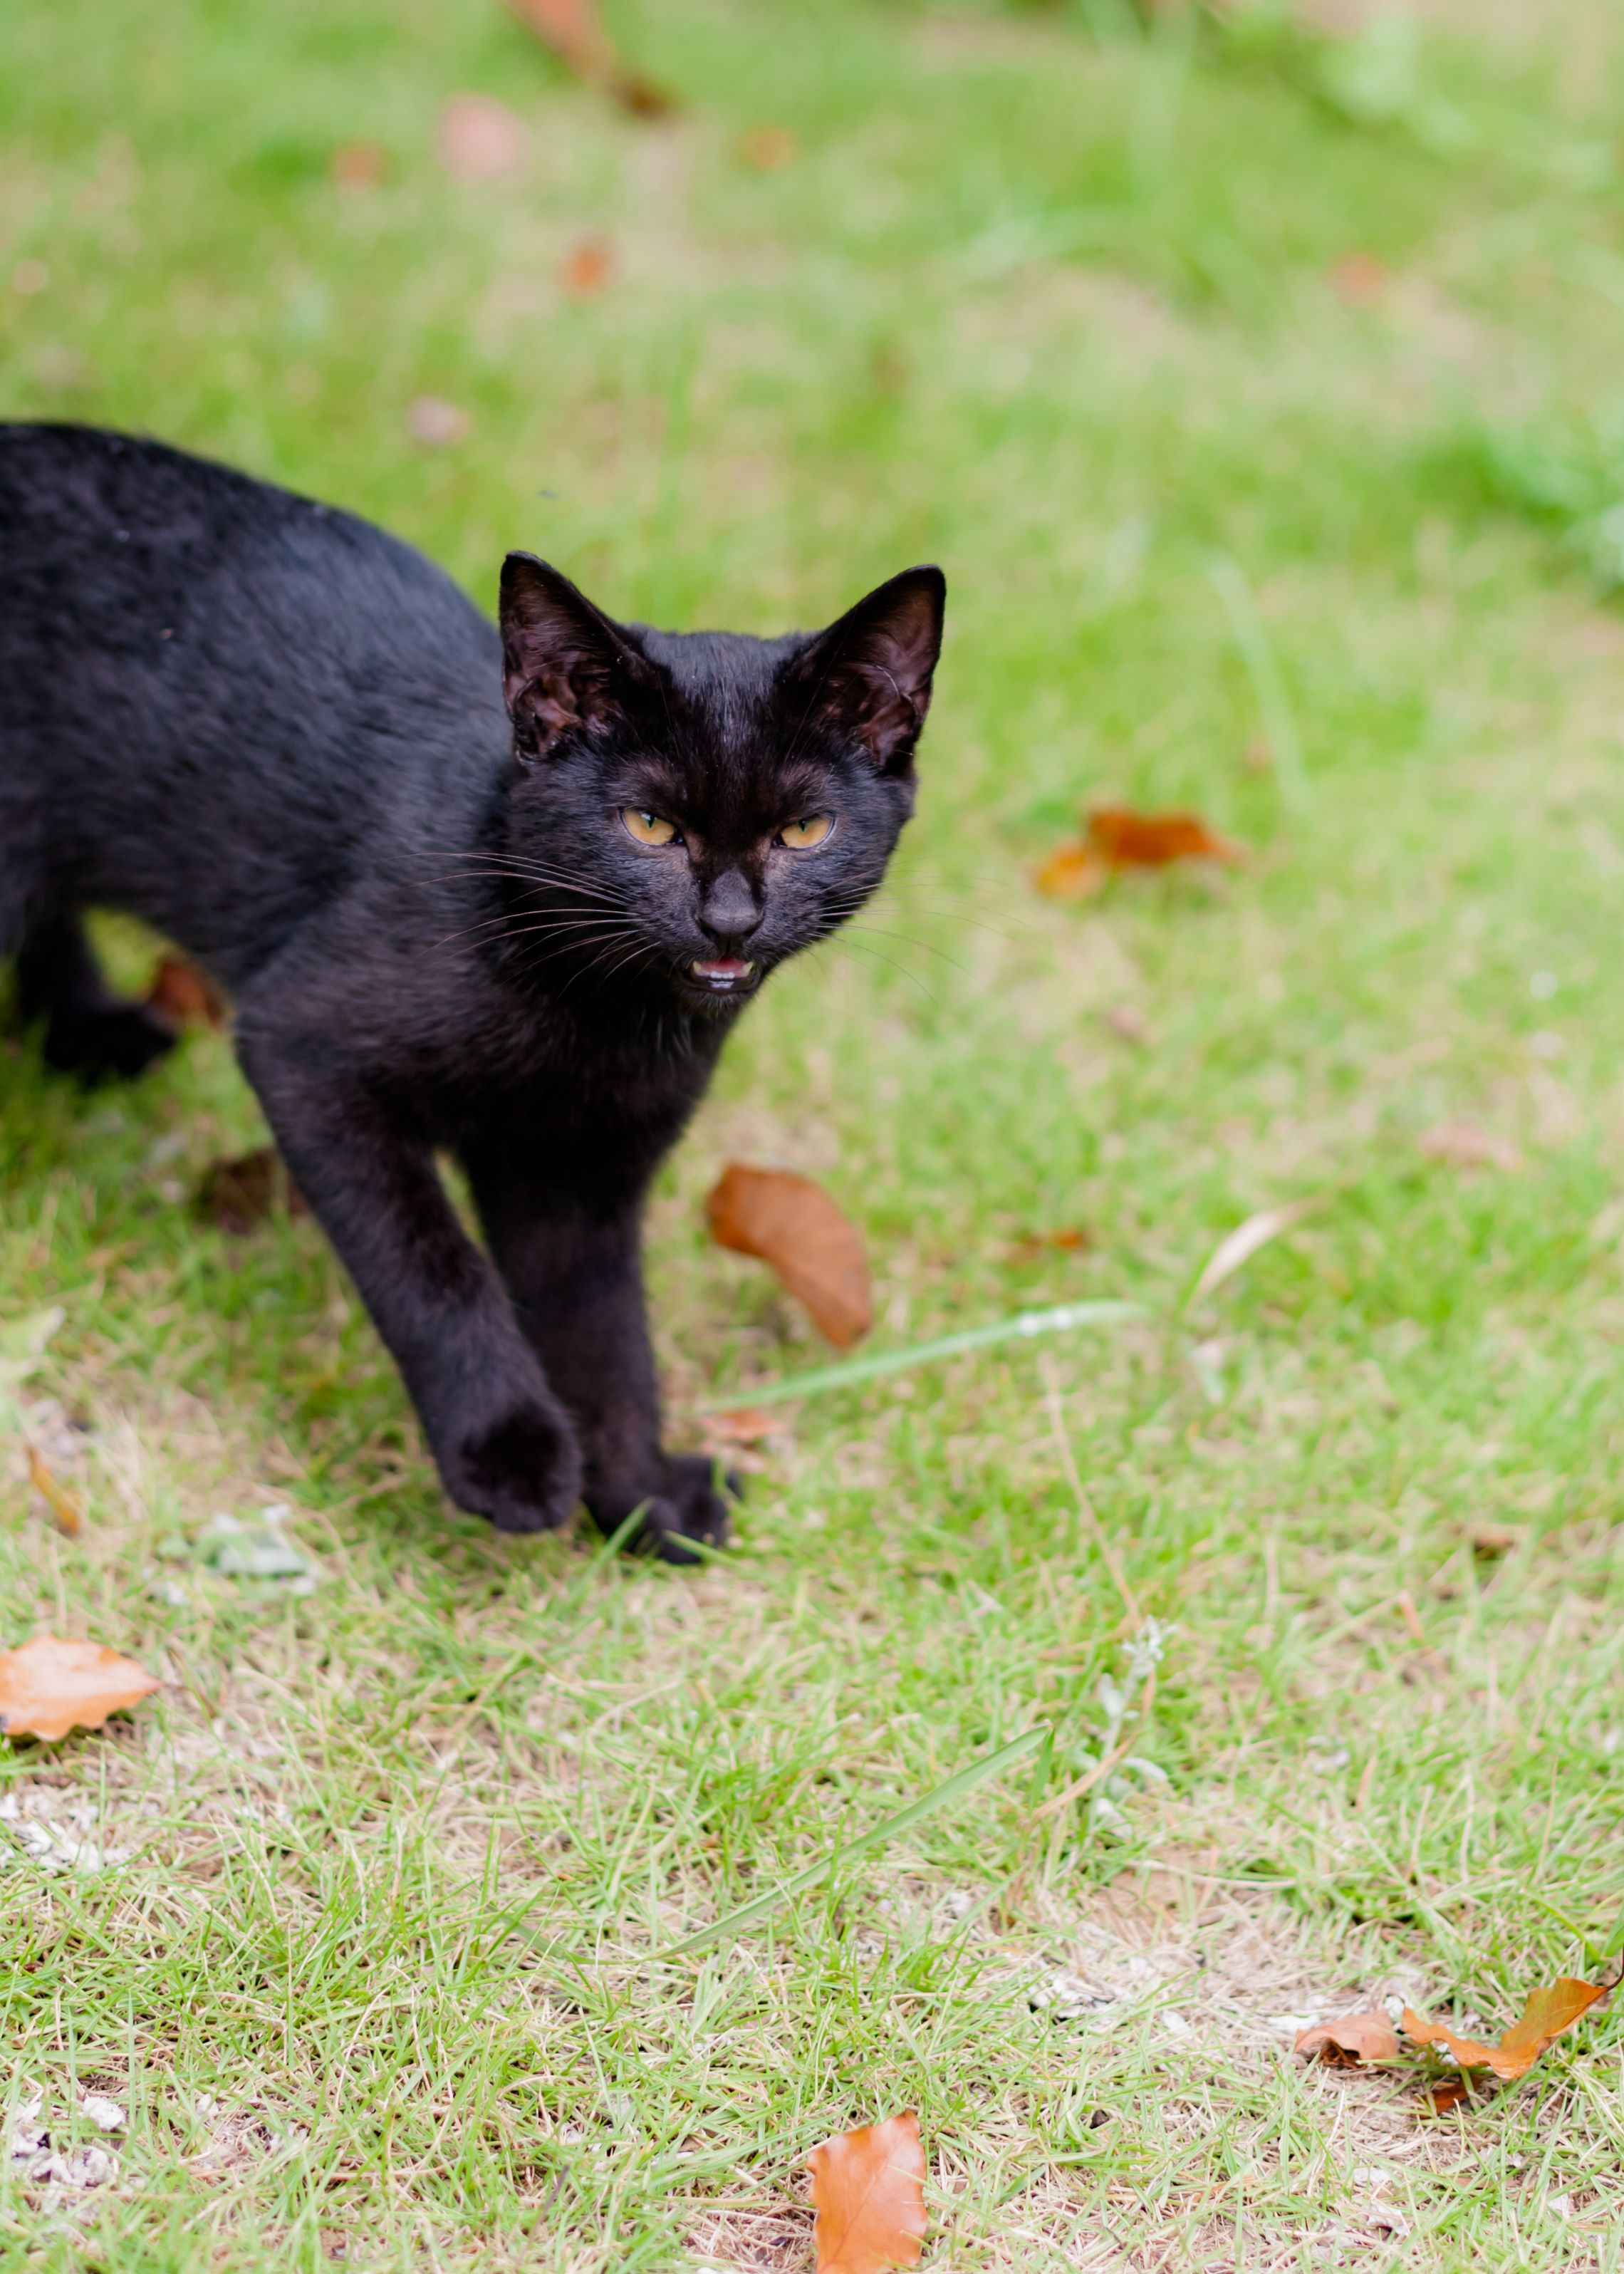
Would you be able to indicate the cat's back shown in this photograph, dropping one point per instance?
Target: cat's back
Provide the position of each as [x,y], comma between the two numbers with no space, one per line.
[218,697]
[125,538]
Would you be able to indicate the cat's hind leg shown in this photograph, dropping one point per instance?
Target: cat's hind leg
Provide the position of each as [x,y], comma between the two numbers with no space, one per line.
[89,1031]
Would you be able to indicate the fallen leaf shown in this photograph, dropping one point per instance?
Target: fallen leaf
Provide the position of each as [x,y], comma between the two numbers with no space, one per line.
[1115,836]
[794,1225]
[1464,1145]
[868,2191]
[435,423]
[1068,1240]
[1074,873]
[479,138]
[768,148]
[571,30]
[238,1195]
[357,166]
[587,267]
[50,1687]
[1359,279]
[1242,1243]
[65,1512]
[1440,2098]
[1368,2036]
[185,995]
[1543,2018]
[1127,840]
[742,1426]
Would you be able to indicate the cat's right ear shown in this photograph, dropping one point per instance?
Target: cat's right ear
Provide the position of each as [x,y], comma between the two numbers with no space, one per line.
[566,666]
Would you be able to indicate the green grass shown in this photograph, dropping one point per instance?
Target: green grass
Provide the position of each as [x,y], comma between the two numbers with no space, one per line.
[388,1970]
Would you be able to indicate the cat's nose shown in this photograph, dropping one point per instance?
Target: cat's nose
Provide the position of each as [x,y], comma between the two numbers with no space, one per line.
[729,914]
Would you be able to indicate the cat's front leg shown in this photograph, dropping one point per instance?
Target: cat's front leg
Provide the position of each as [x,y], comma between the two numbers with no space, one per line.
[568,1248]
[501,1437]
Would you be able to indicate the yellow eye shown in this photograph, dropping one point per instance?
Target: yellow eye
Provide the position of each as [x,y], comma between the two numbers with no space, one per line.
[648,828]
[810,830]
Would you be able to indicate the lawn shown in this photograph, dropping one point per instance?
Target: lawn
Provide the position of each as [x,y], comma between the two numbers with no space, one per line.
[1257,392]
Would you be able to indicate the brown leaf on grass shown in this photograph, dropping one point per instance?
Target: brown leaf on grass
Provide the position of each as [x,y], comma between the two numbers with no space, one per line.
[791,1224]
[1368,2036]
[1543,2018]
[742,1426]
[1465,1146]
[868,2190]
[768,148]
[1073,873]
[1068,1240]
[571,30]
[1359,279]
[238,1195]
[587,267]
[1115,838]
[65,1512]
[479,138]
[1127,840]
[50,1687]
[185,995]
[357,166]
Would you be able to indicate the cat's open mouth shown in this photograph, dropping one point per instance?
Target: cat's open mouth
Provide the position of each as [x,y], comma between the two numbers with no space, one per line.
[727,974]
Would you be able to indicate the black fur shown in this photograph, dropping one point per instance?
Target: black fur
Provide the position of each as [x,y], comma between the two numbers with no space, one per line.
[290,744]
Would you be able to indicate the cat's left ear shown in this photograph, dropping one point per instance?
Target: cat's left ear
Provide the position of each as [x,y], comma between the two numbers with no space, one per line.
[869,675]
[567,667]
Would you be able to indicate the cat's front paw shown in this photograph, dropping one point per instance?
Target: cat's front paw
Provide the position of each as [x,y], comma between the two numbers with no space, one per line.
[685,1508]
[690,1507]
[523,1470]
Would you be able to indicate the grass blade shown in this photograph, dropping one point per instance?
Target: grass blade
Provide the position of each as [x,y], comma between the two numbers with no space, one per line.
[956,1786]
[1024,1324]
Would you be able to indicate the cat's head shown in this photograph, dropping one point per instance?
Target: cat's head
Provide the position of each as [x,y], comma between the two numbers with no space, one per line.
[691,808]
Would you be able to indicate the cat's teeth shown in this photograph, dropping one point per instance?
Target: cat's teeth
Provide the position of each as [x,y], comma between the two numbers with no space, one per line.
[725,968]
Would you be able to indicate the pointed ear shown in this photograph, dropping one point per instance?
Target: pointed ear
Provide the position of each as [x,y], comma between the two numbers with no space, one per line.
[869,675]
[566,665]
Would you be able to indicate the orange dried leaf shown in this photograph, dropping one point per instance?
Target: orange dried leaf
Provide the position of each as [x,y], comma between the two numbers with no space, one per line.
[1368,2036]
[66,1514]
[1360,279]
[587,267]
[50,1687]
[571,30]
[1073,873]
[1543,2018]
[357,166]
[791,1224]
[868,2190]
[742,1426]
[1126,840]
[768,148]
[185,995]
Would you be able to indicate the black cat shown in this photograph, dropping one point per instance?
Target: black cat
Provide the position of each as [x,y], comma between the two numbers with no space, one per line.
[504,895]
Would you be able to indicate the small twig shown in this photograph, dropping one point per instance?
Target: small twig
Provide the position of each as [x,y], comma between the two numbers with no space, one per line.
[1084,1507]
